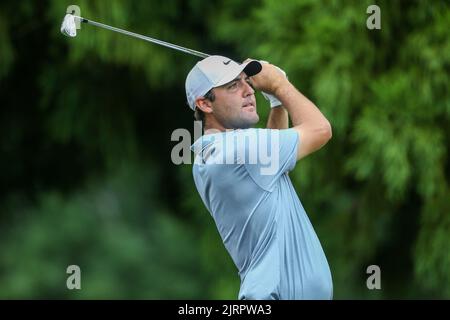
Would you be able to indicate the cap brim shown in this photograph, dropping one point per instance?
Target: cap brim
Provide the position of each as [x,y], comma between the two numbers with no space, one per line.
[250,68]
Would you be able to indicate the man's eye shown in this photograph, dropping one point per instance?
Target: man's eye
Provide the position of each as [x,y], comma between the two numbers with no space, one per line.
[233,85]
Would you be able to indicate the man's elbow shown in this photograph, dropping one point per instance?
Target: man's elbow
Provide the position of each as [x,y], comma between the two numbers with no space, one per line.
[313,138]
[325,132]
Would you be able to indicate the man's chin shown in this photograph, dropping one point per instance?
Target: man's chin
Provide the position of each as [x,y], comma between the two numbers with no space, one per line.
[249,122]
[245,121]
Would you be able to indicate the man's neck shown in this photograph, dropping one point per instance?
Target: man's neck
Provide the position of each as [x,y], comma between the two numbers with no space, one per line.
[212,131]
[214,127]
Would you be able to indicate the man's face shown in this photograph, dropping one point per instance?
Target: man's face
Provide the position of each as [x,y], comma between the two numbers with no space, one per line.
[234,106]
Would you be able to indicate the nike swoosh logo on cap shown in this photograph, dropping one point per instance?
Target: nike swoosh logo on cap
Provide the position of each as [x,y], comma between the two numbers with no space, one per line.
[227,62]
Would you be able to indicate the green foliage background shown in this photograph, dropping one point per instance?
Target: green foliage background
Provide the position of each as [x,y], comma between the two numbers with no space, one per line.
[87,177]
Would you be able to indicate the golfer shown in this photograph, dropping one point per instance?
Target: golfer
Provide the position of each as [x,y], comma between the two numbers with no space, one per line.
[241,174]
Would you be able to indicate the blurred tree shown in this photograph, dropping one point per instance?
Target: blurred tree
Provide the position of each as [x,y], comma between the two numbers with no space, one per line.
[126,245]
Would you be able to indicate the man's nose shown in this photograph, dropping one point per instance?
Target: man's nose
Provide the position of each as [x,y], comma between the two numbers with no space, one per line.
[248,89]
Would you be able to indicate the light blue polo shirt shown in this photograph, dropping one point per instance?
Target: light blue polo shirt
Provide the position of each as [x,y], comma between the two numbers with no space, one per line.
[242,178]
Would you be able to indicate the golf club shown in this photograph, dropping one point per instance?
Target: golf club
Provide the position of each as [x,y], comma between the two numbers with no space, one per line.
[69,28]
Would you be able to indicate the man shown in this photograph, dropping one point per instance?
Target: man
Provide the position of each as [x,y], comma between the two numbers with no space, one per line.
[255,207]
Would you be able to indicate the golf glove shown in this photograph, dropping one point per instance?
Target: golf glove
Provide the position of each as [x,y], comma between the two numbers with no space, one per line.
[274,102]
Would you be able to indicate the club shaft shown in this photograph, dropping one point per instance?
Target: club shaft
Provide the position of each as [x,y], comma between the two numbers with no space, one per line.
[145,38]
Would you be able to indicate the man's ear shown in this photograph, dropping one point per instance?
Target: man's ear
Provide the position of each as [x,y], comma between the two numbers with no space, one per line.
[204,104]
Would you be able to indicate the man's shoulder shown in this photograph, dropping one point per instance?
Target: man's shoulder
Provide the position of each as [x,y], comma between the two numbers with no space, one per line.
[241,146]
[227,147]
[250,134]
[249,131]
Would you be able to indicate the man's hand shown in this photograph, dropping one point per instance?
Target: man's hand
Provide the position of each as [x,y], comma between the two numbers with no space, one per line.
[269,80]
[274,102]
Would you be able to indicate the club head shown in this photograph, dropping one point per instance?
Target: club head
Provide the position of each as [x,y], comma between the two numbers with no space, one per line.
[68,26]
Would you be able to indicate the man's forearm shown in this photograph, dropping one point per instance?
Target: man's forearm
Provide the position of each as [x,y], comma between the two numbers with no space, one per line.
[313,128]
[301,110]
[278,118]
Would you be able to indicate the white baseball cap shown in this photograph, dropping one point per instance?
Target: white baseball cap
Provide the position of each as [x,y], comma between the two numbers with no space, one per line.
[215,71]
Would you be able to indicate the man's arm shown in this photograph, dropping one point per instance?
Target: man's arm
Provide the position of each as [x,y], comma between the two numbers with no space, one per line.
[312,126]
[278,118]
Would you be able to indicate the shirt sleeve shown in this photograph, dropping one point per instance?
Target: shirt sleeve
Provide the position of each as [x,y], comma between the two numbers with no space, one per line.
[271,154]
